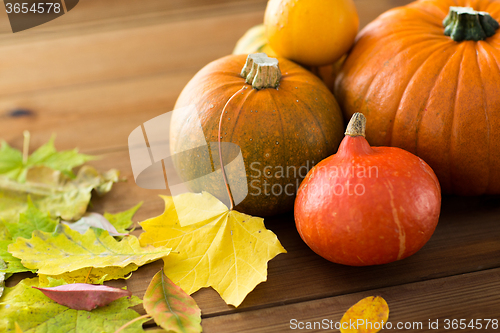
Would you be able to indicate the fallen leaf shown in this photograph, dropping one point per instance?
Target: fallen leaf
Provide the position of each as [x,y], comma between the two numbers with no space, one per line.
[53,192]
[32,219]
[2,277]
[123,220]
[189,213]
[96,276]
[170,307]
[371,313]
[11,161]
[13,166]
[18,328]
[94,220]
[4,232]
[13,264]
[83,296]
[224,249]
[22,302]
[67,250]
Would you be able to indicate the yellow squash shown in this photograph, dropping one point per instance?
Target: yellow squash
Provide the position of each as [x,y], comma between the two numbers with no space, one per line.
[311,32]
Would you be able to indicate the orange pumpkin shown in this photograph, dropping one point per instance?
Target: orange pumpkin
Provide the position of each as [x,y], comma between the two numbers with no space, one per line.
[282,129]
[367,205]
[435,95]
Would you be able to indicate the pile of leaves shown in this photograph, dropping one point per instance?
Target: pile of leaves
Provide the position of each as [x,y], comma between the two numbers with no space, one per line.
[45,229]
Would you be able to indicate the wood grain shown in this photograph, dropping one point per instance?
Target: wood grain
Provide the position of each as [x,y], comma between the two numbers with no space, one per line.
[457,247]
[411,304]
[110,55]
[96,117]
[102,74]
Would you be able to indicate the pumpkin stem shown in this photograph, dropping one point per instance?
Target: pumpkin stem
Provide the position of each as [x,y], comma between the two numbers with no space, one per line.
[357,125]
[261,71]
[464,23]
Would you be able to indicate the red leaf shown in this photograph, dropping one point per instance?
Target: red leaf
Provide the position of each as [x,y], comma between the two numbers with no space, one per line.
[82,296]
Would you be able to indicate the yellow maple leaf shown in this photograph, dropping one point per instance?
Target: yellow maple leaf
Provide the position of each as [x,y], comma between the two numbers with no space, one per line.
[367,316]
[67,250]
[18,328]
[213,246]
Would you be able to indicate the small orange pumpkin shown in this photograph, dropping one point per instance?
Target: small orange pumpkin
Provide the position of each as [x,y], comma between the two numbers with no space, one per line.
[282,128]
[367,205]
[427,78]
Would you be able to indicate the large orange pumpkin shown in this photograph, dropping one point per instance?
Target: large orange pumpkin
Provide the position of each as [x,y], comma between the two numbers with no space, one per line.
[282,129]
[435,95]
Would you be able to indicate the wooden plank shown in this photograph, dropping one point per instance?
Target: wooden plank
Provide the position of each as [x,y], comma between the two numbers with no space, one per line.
[93,117]
[105,75]
[92,16]
[73,58]
[368,10]
[470,297]
[120,54]
[300,275]
[94,106]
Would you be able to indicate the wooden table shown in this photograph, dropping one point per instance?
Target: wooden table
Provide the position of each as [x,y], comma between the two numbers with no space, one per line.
[95,74]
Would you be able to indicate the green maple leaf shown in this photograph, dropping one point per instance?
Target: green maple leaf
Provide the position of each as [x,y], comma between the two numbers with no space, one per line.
[3,265]
[67,250]
[36,313]
[47,177]
[29,221]
[10,263]
[13,264]
[122,221]
[32,219]
[13,166]
[53,192]
[4,232]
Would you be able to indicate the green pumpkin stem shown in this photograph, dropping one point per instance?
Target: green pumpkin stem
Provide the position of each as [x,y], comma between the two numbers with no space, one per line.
[261,71]
[464,23]
[357,125]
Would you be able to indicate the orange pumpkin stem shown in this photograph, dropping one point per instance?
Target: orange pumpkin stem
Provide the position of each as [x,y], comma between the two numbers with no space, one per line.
[357,125]
[261,71]
[464,23]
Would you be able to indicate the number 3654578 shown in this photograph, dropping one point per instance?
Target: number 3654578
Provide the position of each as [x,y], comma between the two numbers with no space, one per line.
[36,8]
